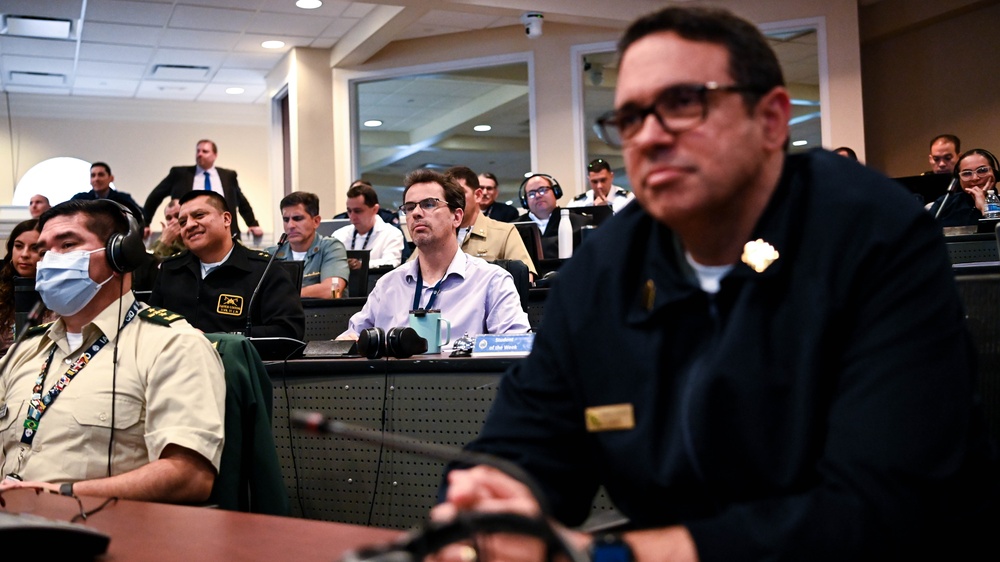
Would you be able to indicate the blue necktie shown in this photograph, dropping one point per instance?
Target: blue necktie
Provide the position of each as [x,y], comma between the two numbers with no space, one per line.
[208,182]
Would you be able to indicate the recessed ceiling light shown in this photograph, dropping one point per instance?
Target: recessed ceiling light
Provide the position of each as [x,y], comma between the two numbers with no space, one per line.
[272,44]
[800,143]
[309,4]
[235,91]
[482,128]
[373,123]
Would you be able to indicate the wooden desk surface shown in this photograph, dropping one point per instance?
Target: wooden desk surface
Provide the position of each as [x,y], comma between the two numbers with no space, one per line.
[152,531]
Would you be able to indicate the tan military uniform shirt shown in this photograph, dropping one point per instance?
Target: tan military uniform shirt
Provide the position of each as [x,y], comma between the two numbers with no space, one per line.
[170,388]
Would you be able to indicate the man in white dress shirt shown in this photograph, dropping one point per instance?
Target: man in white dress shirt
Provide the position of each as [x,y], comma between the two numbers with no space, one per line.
[368,231]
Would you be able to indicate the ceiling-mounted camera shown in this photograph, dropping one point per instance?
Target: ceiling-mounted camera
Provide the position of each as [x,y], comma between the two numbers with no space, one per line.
[532,24]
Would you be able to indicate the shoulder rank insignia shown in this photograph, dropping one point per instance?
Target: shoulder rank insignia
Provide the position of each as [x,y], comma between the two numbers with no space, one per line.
[580,197]
[159,316]
[36,330]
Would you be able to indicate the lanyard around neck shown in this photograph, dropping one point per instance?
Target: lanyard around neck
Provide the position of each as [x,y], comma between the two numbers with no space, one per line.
[420,290]
[40,403]
[367,238]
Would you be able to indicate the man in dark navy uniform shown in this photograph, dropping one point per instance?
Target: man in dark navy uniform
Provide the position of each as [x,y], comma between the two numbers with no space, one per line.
[211,283]
[783,371]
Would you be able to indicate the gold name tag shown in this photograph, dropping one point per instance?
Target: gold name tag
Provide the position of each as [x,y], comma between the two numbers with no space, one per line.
[609,418]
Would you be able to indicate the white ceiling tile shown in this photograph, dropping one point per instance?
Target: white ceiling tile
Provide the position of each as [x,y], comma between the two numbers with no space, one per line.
[121,34]
[188,57]
[239,77]
[111,69]
[37,47]
[36,64]
[252,5]
[289,24]
[212,19]
[339,27]
[118,53]
[169,90]
[256,61]
[14,88]
[190,38]
[138,13]
[65,9]
[104,86]
[358,10]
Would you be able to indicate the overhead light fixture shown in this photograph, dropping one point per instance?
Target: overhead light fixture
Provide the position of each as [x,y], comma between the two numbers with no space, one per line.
[309,4]
[800,143]
[273,44]
[235,91]
[42,28]
[482,128]
[373,123]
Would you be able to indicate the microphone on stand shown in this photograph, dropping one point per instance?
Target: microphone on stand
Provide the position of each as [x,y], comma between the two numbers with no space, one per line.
[947,193]
[317,422]
[433,536]
[253,296]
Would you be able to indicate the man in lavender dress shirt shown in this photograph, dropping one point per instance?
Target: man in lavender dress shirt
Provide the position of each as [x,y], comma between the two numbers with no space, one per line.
[475,296]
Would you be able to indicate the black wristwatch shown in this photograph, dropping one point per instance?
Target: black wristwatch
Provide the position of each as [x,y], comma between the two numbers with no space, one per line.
[66,489]
[610,547]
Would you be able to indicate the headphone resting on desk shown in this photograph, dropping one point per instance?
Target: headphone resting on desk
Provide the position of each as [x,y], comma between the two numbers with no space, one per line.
[399,342]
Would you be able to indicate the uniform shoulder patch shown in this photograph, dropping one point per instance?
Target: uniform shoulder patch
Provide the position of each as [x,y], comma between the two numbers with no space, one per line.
[580,197]
[36,330]
[622,191]
[159,316]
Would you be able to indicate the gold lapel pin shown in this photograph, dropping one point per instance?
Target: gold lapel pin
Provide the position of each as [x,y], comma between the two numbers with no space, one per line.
[759,255]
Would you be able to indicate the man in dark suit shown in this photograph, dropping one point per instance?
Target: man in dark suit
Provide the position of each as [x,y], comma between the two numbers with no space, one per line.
[488,202]
[100,180]
[205,175]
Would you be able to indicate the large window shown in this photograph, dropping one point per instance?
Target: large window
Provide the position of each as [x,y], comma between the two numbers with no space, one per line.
[477,117]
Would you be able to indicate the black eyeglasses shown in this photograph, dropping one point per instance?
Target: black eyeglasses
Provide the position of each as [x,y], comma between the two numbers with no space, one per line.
[428,204]
[540,192]
[677,109]
[981,171]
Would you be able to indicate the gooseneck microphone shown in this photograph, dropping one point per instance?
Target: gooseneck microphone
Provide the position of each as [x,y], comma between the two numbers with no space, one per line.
[317,422]
[432,536]
[253,296]
[947,193]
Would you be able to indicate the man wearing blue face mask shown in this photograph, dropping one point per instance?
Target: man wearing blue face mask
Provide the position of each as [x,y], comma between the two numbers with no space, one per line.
[114,398]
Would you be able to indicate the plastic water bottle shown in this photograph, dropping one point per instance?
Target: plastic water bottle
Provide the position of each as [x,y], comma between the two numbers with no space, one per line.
[992,205]
[566,235]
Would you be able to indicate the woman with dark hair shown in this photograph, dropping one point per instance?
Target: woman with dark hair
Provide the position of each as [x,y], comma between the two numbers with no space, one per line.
[974,176]
[20,261]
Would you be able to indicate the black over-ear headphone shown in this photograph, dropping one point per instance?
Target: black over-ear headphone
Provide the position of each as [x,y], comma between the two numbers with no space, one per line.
[556,188]
[125,252]
[399,342]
